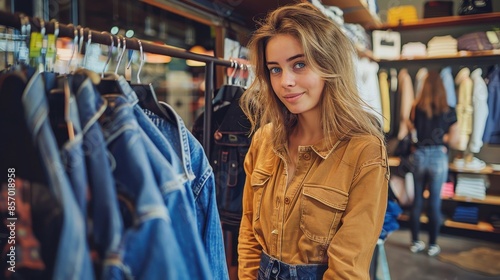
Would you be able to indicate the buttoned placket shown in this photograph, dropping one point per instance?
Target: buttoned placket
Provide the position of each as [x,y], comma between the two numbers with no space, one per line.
[288,194]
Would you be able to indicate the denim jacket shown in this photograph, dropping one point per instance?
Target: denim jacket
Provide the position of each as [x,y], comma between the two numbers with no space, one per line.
[71,263]
[201,183]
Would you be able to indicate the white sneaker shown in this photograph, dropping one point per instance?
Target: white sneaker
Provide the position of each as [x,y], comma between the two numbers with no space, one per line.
[417,246]
[434,250]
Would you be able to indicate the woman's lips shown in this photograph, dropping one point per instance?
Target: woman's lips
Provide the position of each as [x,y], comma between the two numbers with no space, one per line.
[292,97]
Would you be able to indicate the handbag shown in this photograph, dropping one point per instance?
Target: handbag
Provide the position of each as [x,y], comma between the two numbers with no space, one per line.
[405,147]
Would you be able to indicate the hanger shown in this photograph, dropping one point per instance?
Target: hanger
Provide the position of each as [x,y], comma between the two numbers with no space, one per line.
[146,93]
[109,81]
[228,92]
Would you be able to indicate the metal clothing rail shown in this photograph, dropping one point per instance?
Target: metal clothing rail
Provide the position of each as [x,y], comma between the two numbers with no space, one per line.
[105,38]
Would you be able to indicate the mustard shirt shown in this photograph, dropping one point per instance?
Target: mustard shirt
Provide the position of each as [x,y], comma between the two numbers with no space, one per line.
[332,211]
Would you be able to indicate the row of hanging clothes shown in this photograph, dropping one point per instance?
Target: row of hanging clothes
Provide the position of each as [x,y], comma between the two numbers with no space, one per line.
[108,182]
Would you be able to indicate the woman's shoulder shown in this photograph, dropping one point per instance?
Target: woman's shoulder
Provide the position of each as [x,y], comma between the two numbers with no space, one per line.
[368,146]
[263,133]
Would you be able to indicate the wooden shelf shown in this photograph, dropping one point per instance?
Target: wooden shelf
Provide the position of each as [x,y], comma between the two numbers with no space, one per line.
[489,199]
[480,226]
[487,57]
[356,11]
[442,21]
[395,161]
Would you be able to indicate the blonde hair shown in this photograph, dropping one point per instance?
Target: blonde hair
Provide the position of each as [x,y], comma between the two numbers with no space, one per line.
[330,54]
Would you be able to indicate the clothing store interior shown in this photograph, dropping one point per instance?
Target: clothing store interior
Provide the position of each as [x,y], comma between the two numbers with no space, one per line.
[174,71]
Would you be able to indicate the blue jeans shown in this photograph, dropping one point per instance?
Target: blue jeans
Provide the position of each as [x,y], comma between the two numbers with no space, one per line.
[73,258]
[106,218]
[271,268]
[149,248]
[430,169]
[201,183]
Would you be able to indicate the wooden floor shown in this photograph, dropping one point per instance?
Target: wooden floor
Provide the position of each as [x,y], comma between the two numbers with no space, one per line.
[404,264]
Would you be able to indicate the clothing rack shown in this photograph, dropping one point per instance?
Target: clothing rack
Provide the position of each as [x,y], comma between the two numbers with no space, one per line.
[105,38]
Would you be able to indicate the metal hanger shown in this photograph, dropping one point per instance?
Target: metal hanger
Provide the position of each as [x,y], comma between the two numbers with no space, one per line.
[146,93]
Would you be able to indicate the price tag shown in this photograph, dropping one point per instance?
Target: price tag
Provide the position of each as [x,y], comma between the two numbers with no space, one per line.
[36,43]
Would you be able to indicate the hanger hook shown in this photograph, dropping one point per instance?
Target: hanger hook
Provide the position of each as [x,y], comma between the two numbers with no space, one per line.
[121,54]
[141,58]
[235,66]
[87,46]
[43,50]
[110,52]
[73,48]
[80,43]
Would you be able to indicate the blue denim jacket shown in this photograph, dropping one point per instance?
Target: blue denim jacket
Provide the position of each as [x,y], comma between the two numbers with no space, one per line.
[73,258]
[197,168]
[449,85]
[149,248]
[177,199]
[492,129]
[106,218]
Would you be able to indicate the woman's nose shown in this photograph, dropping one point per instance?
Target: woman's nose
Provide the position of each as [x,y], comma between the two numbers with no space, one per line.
[288,79]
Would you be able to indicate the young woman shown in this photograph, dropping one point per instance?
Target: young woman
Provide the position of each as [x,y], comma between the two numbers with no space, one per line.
[317,173]
[434,125]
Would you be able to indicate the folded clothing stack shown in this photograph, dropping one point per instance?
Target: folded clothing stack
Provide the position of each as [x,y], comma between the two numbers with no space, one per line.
[466,214]
[442,46]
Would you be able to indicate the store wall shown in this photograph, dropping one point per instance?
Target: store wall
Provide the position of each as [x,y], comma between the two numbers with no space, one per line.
[384,5]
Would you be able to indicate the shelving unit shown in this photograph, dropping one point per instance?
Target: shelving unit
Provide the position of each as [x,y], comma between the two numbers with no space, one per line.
[489,201]
[441,22]
[422,31]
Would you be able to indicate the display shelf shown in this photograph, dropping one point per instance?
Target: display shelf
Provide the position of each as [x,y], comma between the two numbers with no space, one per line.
[489,199]
[441,22]
[480,226]
[356,11]
[479,57]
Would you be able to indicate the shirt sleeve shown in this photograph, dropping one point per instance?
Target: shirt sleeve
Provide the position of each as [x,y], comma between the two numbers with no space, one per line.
[351,249]
[249,250]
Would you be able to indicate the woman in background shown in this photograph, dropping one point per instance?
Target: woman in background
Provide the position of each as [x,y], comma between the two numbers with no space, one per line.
[432,123]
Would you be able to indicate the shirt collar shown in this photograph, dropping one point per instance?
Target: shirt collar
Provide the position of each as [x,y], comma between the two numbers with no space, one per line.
[322,149]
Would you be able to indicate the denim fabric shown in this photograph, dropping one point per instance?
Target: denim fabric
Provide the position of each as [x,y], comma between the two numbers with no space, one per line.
[106,219]
[430,168]
[71,149]
[149,248]
[198,170]
[492,128]
[449,85]
[271,268]
[170,180]
[73,259]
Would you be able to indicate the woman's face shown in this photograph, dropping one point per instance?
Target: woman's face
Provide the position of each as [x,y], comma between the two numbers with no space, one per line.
[293,81]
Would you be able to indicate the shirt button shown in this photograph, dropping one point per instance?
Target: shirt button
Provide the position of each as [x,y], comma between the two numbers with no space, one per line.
[307,156]
[287,200]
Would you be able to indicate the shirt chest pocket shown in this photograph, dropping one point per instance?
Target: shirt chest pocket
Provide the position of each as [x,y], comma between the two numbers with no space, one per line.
[321,210]
[258,181]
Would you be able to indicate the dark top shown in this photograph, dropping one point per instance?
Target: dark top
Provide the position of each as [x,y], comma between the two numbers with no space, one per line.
[430,132]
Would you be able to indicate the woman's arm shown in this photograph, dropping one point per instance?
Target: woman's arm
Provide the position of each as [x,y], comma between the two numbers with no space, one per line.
[249,250]
[351,249]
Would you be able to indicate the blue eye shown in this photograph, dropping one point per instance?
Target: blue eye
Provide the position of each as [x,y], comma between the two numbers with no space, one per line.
[274,70]
[300,65]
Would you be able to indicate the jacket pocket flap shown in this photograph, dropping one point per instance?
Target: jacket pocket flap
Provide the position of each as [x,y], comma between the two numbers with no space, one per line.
[259,178]
[330,197]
